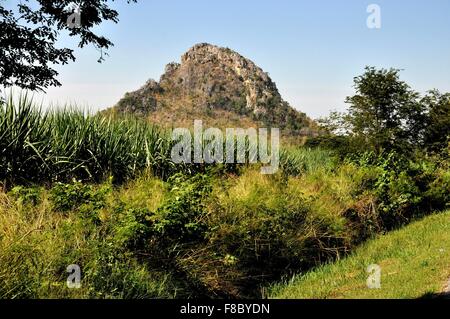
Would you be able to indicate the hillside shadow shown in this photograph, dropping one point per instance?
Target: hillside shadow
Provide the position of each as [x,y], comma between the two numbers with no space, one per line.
[431,295]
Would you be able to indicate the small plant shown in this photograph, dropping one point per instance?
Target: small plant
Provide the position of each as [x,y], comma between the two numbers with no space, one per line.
[184,211]
[68,197]
[229,260]
[134,228]
[26,195]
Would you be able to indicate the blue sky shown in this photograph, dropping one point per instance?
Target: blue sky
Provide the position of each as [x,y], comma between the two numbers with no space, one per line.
[311,49]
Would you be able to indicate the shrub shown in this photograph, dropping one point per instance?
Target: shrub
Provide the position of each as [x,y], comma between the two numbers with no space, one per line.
[404,188]
[134,228]
[37,245]
[78,196]
[182,215]
[26,195]
[439,190]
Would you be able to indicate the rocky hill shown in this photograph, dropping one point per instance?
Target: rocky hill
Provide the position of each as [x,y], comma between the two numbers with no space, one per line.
[219,86]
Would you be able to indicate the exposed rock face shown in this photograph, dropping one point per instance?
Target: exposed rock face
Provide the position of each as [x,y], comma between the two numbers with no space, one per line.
[221,77]
[213,78]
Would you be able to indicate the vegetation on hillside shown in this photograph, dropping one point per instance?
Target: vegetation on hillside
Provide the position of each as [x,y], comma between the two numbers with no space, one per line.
[103,193]
[204,234]
[414,261]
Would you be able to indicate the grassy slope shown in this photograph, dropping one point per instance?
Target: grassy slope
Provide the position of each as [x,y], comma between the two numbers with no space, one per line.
[415,261]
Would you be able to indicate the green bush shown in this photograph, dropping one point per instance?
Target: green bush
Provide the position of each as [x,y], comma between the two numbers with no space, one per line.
[179,219]
[78,196]
[439,189]
[404,188]
[27,195]
[342,145]
[183,213]
[134,228]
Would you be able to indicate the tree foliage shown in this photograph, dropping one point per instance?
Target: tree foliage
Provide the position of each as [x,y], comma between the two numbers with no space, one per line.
[385,114]
[29,35]
[437,132]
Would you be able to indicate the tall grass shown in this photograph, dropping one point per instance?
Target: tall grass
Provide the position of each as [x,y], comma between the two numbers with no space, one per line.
[414,262]
[56,145]
[295,161]
[38,146]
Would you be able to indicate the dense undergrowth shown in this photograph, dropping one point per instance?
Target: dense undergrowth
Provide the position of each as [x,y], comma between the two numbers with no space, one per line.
[205,235]
[414,263]
[103,194]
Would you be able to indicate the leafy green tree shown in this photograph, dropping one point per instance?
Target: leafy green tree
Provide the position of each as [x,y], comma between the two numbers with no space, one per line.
[437,125]
[385,114]
[29,34]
